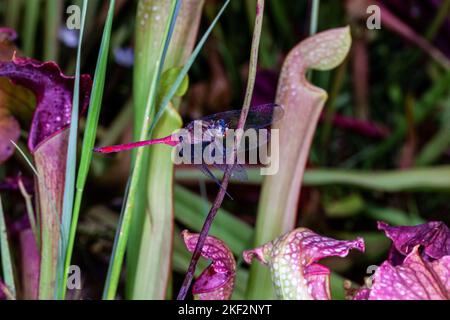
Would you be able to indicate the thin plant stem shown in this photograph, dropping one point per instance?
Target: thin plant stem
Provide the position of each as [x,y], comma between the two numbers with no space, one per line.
[227,175]
[30,26]
[30,211]
[314,17]
[13,13]
[313,22]
[52,11]
[88,140]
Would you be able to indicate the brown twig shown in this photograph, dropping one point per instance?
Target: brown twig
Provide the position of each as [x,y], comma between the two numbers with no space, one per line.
[227,175]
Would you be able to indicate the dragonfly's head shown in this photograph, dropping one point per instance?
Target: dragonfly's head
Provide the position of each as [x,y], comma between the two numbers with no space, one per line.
[221,127]
[181,137]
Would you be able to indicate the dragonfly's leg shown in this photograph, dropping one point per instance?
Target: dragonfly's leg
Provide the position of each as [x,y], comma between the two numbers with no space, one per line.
[239,172]
[203,168]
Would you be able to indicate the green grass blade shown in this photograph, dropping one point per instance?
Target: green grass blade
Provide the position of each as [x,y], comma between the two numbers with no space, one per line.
[425,179]
[90,133]
[314,17]
[27,160]
[13,13]
[121,238]
[7,260]
[154,260]
[30,26]
[69,184]
[52,23]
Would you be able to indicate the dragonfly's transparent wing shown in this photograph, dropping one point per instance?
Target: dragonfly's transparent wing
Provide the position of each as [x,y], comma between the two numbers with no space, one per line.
[249,142]
[238,172]
[258,116]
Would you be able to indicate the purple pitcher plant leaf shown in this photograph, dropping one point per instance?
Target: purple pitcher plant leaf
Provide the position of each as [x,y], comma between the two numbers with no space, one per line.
[53,91]
[292,260]
[12,183]
[7,47]
[9,131]
[47,142]
[30,265]
[12,99]
[433,238]
[217,281]
[414,279]
[3,290]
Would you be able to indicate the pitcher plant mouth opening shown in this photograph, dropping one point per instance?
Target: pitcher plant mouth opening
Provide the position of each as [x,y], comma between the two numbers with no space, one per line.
[208,150]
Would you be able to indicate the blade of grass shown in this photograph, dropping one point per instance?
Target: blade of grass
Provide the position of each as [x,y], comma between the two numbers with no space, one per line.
[24,156]
[30,211]
[89,137]
[52,22]
[221,194]
[13,13]
[69,183]
[313,22]
[430,179]
[433,179]
[154,260]
[314,17]
[121,238]
[30,26]
[7,260]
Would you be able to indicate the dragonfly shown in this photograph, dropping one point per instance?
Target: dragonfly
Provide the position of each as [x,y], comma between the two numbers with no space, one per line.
[200,134]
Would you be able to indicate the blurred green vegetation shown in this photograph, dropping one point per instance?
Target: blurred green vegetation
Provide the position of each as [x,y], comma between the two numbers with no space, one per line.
[353,179]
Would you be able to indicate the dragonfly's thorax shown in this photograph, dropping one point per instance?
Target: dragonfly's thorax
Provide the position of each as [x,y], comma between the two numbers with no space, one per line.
[204,131]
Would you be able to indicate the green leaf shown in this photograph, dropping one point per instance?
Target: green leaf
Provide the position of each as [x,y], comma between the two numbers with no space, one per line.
[90,133]
[30,26]
[69,182]
[428,179]
[52,22]
[168,78]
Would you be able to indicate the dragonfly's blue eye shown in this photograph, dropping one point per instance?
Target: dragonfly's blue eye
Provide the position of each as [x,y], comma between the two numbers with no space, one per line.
[221,123]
